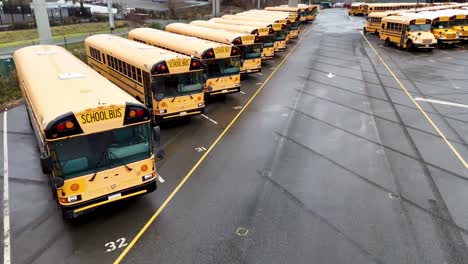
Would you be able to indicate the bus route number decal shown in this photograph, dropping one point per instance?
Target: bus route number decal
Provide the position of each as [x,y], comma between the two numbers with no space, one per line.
[178,63]
[113,245]
[98,116]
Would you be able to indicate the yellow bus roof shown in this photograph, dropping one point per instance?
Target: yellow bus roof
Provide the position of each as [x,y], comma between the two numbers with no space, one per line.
[249,29]
[401,19]
[218,35]
[56,82]
[251,18]
[241,22]
[180,43]
[138,54]
[283,8]
[383,14]
[281,15]
[267,18]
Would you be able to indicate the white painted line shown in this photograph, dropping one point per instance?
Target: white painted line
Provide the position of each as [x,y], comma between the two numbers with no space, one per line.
[6,206]
[160,179]
[330,75]
[440,102]
[258,83]
[272,68]
[242,92]
[259,73]
[214,122]
[444,51]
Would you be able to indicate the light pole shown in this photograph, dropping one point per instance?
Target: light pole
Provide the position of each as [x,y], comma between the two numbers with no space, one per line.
[42,21]
[111,15]
[293,3]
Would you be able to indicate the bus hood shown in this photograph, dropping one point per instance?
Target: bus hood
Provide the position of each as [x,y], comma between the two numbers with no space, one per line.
[422,37]
[445,33]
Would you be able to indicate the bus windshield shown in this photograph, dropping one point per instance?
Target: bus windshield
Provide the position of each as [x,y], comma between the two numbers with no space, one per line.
[460,22]
[92,153]
[422,27]
[173,85]
[443,24]
[222,67]
[251,51]
[268,41]
[280,35]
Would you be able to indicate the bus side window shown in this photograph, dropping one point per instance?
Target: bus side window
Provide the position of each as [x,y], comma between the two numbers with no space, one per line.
[383,25]
[139,78]
[103,58]
[133,73]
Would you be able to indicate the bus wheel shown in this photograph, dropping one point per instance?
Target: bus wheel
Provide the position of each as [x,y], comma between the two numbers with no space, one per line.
[376,33]
[67,214]
[409,45]
[364,30]
[387,42]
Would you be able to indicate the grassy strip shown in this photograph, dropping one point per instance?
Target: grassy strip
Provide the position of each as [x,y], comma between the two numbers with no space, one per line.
[25,37]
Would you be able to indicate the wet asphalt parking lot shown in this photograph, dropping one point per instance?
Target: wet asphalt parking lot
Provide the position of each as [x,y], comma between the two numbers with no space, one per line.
[331,162]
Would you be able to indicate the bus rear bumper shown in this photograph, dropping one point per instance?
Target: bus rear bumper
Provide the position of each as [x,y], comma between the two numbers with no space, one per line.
[70,212]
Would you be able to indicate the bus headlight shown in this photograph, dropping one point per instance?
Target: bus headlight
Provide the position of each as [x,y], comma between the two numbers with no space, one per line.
[162,111]
[237,84]
[201,104]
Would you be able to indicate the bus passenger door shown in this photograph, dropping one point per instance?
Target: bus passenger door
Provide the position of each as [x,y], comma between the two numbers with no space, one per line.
[403,36]
[148,93]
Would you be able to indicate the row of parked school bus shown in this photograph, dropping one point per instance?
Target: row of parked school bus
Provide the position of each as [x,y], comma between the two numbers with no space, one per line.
[96,124]
[364,9]
[423,28]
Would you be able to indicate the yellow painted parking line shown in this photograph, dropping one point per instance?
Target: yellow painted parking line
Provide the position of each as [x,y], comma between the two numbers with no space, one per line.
[441,134]
[194,168]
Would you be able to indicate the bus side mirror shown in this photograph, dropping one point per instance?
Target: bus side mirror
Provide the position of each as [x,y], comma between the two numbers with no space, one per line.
[56,182]
[160,155]
[157,135]
[46,164]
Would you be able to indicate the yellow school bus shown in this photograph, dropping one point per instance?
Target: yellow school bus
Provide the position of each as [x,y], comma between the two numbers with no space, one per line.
[460,23]
[374,20]
[292,21]
[266,34]
[94,139]
[257,17]
[222,61]
[381,7]
[298,11]
[442,23]
[282,29]
[407,32]
[279,34]
[250,46]
[170,84]
[357,9]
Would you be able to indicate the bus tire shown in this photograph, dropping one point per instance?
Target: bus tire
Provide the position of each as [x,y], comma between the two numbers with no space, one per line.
[409,45]
[67,214]
[376,33]
[364,30]
[387,42]
[152,187]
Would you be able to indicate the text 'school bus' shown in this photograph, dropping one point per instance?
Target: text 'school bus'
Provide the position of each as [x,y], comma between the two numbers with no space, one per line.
[94,139]
[266,34]
[407,32]
[257,17]
[169,83]
[280,36]
[357,9]
[442,27]
[250,46]
[292,25]
[279,28]
[222,61]
[374,20]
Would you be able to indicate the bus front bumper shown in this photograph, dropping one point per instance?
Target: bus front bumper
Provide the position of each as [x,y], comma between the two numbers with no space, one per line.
[425,46]
[448,41]
[196,111]
[81,208]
